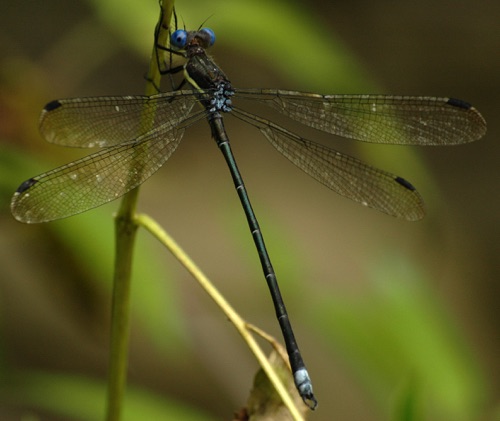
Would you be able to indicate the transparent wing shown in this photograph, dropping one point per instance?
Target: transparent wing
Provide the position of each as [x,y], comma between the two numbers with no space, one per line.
[109,121]
[95,179]
[401,120]
[342,173]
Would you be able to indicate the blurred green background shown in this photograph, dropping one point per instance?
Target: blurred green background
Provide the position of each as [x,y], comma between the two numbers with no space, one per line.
[396,320]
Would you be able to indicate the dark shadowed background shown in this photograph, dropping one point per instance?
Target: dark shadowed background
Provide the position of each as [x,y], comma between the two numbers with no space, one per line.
[393,318]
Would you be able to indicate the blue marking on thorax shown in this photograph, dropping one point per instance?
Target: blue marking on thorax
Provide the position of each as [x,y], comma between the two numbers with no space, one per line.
[221,98]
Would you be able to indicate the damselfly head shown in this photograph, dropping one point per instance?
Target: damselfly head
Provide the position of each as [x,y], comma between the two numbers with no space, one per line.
[181,38]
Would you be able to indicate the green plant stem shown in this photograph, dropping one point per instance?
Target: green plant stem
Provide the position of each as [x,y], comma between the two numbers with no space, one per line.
[125,234]
[126,230]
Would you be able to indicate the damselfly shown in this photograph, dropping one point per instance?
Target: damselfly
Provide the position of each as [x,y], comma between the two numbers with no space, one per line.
[132,150]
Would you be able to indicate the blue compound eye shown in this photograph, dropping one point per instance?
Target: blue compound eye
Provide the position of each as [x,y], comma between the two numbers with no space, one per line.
[178,38]
[211,35]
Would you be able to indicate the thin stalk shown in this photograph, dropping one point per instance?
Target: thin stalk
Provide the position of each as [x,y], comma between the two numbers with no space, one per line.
[243,328]
[125,234]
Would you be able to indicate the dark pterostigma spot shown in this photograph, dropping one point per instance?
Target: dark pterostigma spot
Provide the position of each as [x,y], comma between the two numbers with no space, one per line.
[459,103]
[52,105]
[405,183]
[26,185]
